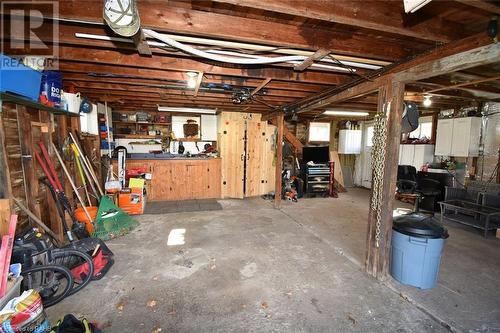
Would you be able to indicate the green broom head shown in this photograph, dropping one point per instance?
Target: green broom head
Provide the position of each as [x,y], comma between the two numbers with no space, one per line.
[111,221]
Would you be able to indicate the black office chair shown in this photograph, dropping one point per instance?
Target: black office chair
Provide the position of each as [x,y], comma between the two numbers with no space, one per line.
[428,190]
[407,179]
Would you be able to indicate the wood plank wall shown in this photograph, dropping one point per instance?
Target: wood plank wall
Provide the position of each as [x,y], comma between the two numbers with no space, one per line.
[22,129]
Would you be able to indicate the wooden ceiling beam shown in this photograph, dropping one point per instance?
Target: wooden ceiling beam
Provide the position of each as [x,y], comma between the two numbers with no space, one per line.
[274,87]
[178,64]
[321,53]
[260,86]
[375,15]
[456,56]
[160,95]
[79,80]
[162,16]
[487,6]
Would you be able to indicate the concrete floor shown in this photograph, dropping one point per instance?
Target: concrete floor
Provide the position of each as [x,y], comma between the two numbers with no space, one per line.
[252,268]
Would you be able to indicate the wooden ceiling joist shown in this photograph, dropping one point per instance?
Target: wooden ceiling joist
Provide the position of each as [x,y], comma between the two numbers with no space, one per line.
[374,15]
[452,57]
[162,16]
[321,53]
[115,58]
[487,6]
[260,86]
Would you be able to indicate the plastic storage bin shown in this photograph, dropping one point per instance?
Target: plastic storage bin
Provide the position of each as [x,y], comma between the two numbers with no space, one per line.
[417,244]
[18,79]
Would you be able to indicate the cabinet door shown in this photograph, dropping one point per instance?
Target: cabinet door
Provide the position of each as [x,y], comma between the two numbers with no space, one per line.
[423,154]
[461,137]
[444,134]
[407,152]
[232,152]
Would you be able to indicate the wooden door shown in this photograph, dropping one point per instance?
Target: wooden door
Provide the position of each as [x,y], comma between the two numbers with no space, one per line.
[256,135]
[231,147]
[268,169]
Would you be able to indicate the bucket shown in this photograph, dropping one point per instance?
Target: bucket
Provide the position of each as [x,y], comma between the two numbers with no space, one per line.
[51,87]
[82,217]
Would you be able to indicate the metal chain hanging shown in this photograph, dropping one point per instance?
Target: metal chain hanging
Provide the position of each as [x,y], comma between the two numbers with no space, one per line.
[378,165]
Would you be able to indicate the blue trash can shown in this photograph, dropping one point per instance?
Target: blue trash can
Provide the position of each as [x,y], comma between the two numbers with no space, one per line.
[417,244]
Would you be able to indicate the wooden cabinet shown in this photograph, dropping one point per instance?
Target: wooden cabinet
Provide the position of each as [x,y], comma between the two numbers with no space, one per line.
[181,179]
[458,137]
[246,149]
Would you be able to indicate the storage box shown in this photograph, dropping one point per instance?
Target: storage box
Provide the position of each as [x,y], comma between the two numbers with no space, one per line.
[18,79]
[132,200]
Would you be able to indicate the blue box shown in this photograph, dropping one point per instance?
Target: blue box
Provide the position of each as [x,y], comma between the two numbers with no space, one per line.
[18,79]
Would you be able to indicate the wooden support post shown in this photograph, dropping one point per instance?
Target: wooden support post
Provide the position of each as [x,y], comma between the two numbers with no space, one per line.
[390,98]
[280,122]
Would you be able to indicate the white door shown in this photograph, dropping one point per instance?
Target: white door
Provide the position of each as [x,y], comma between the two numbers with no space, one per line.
[367,155]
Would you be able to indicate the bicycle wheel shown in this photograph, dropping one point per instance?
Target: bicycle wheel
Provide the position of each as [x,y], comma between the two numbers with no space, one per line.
[52,282]
[73,260]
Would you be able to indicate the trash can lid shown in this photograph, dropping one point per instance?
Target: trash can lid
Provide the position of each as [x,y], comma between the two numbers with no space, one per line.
[418,225]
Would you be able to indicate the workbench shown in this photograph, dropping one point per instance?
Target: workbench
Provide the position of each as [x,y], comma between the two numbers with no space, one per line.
[180,178]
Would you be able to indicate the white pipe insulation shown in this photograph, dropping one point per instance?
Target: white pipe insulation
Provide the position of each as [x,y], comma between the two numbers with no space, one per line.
[215,57]
[345,60]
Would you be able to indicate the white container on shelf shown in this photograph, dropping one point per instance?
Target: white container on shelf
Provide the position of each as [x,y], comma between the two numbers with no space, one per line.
[72,101]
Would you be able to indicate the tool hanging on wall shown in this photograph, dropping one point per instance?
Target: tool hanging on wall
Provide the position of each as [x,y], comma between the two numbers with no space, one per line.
[84,175]
[73,186]
[86,164]
[57,191]
[80,172]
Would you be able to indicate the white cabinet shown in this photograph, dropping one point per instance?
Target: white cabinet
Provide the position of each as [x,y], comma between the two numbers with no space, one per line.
[406,154]
[349,141]
[416,154]
[423,154]
[443,137]
[458,137]
[208,127]
[465,136]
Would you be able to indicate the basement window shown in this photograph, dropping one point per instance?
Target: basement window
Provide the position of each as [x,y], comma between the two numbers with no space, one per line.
[319,132]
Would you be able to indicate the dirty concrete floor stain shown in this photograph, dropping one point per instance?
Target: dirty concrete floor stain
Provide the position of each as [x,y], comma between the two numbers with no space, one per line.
[246,268]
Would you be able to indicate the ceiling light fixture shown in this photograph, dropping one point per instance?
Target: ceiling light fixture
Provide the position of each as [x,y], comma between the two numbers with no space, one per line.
[345,113]
[191,84]
[427,101]
[186,110]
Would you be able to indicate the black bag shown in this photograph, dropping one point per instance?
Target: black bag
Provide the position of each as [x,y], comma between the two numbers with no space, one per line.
[70,324]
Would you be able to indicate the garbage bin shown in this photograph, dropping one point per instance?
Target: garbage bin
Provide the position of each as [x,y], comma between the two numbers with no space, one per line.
[417,243]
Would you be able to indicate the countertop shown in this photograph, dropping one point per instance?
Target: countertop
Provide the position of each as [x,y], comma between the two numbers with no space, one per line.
[145,156]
